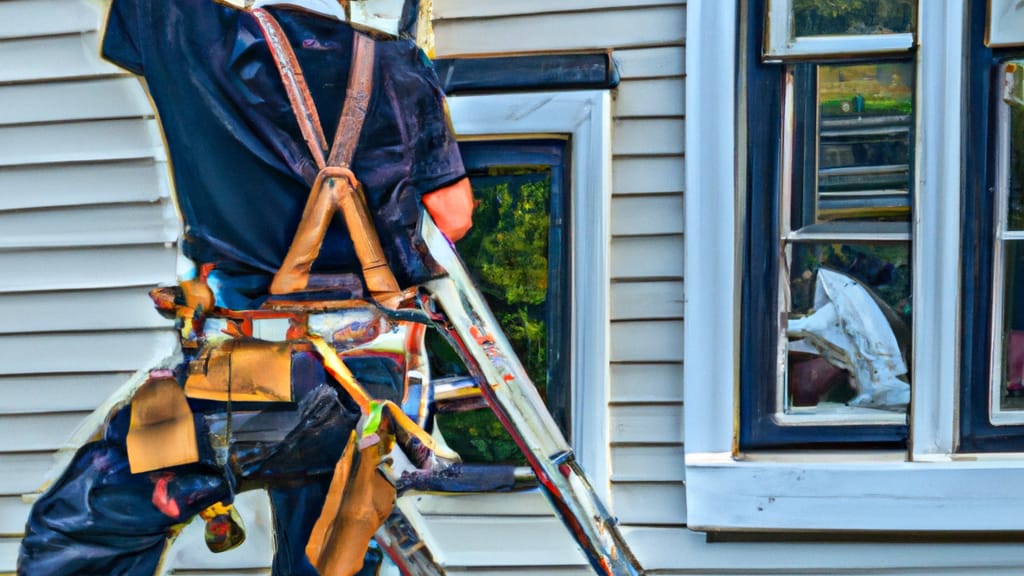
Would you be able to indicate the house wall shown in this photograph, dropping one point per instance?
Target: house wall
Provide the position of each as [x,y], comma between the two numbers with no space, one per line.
[87,227]
[645,408]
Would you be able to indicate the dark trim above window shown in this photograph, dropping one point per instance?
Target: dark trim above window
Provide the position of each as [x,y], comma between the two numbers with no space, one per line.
[528,72]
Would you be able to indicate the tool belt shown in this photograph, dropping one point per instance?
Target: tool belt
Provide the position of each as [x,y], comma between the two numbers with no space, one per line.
[230,364]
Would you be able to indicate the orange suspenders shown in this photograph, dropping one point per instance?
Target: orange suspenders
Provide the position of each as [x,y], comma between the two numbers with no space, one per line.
[336,187]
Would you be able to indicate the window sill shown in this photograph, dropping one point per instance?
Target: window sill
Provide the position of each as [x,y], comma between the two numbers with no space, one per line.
[862,493]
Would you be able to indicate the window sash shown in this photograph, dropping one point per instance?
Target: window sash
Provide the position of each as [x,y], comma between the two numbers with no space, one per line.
[781,43]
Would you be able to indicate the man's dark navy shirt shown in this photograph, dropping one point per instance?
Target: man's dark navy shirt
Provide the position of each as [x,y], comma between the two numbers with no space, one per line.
[242,170]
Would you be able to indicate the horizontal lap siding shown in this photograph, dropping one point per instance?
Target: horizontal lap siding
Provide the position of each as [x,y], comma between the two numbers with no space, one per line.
[87,229]
[646,284]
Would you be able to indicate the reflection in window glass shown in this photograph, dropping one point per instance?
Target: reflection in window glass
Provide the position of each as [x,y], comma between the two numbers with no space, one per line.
[848,331]
[1016,176]
[1012,393]
[864,141]
[853,17]
[1011,384]
[515,253]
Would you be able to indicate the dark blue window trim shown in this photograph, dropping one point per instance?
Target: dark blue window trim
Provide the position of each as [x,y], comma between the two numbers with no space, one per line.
[760,246]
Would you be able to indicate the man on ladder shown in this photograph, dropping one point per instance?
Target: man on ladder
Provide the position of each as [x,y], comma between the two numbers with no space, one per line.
[270,391]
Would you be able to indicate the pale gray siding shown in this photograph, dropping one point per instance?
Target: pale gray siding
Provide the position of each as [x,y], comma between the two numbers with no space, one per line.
[87,227]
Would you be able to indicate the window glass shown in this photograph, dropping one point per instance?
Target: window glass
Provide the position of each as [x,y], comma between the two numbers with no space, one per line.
[517,255]
[864,126]
[1014,100]
[853,17]
[1010,367]
[845,279]
[848,331]
[1011,392]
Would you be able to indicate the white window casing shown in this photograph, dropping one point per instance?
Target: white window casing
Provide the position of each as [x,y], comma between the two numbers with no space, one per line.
[585,116]
[926,488]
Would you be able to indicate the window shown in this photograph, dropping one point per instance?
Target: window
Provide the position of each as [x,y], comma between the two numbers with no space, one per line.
[838,166]
[518,255]
[581,122]
[991,417]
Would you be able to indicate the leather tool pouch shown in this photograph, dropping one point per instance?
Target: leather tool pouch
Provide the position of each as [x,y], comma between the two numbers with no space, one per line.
[244,371]
[162,432]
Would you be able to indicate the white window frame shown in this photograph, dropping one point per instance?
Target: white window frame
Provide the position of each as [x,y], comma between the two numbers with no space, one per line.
[926,488]
[585,117]
[781,41]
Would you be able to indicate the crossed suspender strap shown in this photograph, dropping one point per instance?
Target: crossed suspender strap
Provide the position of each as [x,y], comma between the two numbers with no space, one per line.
[336,187]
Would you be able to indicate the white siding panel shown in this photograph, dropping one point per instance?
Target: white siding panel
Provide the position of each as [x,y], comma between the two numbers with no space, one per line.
[449,9]
[117,97]
[78,142]
[653,97]
[660,341]
[65,392]
[79,310]
[562,31]
[23,18]
[38,432]
[647,215]
[83,352]
[646,424]
[637,137]
[650,503]
[647,257]
[659,62]
[647,300]
[71,56]
[8,554]
[658,175]
[648,464]
[13,513]
[31,270]
[79,184]
[528,503]
[20,473]
[504,541]
[639,383]
[103,225]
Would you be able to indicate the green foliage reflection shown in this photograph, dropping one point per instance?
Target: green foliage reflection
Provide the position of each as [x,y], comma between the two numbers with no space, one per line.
[507,253]
[820,17]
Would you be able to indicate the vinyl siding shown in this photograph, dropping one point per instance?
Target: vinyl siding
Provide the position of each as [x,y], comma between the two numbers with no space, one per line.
[86,229]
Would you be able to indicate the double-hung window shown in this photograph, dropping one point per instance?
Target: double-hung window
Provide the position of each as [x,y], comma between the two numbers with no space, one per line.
[854,346]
